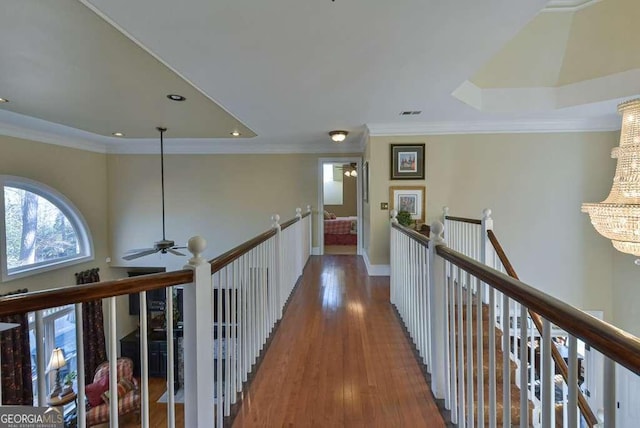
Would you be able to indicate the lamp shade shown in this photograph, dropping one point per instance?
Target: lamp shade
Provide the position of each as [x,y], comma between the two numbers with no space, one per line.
[57,360]
[618,217]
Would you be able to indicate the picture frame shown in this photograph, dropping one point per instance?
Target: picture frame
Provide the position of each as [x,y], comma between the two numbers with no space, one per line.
[409,198]
[407,162]
[365,181]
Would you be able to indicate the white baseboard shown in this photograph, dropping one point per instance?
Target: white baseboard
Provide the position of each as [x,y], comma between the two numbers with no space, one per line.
[315,251]
[375,270]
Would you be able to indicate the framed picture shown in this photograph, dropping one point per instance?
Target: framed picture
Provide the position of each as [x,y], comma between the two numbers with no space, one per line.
[365,181]
[407,161]
[408,198]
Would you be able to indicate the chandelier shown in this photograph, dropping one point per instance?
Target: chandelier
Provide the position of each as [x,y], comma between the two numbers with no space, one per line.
[618,217]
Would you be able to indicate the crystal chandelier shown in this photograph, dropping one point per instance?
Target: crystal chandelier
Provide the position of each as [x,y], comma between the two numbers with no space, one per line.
[618,217]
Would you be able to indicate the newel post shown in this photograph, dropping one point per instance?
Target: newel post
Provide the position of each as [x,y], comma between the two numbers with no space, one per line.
[310,230]
[439,332]
[299,238]
[486,246]
[278,256]
[395,260]
[198,339]
[445,214]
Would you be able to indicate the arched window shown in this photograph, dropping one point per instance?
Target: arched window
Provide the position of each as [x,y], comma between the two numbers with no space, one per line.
[40,229]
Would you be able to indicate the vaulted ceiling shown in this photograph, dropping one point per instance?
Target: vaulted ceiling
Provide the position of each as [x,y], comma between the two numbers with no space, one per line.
[284,73]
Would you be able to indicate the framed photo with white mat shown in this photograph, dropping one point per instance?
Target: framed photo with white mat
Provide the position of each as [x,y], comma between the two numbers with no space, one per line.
[409,198]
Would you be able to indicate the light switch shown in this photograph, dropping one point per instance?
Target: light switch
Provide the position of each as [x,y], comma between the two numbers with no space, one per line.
[384,205]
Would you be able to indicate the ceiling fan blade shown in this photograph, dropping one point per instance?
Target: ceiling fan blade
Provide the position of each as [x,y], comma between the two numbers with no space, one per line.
[141,254]
[138,250]
[178,248]
[173,251]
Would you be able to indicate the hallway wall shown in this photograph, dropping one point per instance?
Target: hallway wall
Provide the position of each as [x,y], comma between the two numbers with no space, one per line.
[535,184]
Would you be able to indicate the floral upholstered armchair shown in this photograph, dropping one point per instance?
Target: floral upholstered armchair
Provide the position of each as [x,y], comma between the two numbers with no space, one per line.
[98,394]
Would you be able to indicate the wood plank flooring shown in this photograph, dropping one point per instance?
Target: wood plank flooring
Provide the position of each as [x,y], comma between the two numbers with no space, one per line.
[339,358]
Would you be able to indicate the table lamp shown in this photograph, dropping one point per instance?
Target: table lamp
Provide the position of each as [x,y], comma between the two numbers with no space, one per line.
[55,363]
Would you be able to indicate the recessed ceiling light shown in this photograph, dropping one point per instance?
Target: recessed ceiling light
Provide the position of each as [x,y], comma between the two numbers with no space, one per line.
[4,100]
[176,97]
[235,134]
[118,134]
[338,136]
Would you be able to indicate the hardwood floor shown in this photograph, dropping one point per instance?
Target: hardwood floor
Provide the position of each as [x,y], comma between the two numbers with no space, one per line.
[340,249]
[339,358]
[157,411]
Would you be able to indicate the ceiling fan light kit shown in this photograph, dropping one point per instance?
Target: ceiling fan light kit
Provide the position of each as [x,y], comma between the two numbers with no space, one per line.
[163,246]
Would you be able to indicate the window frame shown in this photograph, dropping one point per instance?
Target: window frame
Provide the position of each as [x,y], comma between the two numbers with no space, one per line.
[83,234]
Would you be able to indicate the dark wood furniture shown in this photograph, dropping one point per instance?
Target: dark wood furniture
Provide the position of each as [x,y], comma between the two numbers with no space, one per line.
[157,349]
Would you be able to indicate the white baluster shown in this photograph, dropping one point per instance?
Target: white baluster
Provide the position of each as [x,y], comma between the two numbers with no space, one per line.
[171,405]
[113,363]
[572,383]
[451,345]
[144,359]
[462,419]
[438,321]
[524,399]
[609,393]
[492,358]
[469,334]
[480,350]
[547,384]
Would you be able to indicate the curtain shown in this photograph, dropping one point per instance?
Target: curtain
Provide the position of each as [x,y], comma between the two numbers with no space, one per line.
[17,388]
[95,351]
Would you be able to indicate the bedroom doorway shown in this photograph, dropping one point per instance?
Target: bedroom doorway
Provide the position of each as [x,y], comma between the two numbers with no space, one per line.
[339,202]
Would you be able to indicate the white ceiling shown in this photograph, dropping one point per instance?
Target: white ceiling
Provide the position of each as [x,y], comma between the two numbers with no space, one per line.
[292,70]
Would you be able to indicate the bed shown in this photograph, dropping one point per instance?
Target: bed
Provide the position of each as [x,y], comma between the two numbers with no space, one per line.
[341,231]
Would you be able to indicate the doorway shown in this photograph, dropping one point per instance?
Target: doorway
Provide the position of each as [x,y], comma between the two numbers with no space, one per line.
[340,205]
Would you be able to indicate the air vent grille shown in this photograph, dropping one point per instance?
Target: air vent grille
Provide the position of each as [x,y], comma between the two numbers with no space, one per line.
[410,112]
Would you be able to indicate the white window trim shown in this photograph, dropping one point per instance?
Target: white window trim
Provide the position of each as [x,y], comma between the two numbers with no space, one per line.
[85,241]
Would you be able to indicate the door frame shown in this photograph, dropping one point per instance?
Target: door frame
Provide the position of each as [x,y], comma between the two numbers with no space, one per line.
[321,162]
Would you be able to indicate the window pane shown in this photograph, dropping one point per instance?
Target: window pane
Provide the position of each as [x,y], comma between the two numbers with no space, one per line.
[65,338]
[37,231]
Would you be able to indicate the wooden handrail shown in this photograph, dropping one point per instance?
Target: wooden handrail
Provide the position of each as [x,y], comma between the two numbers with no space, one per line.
[233,254]
[617,344]
[463,220]
[585,409]
[412,234]
[37,300]
[224,259]
[294,220]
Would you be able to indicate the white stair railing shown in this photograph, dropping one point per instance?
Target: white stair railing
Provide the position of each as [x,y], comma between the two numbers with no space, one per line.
[416,290]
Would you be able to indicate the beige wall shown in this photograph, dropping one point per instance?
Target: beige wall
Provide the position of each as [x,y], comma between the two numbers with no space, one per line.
[349,205]
[225,198]
[81,176]
[535,184]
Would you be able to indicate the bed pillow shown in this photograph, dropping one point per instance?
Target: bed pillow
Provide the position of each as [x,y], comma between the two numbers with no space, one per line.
[332,216]
[327,215]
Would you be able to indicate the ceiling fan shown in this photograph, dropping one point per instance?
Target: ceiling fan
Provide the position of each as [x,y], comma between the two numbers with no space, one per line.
[350,170]
[164,246]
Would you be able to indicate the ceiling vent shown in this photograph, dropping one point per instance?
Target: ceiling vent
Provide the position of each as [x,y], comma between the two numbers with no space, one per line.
[410,112]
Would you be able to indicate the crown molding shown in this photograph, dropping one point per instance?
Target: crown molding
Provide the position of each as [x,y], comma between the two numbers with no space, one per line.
[495,127]
[568,5]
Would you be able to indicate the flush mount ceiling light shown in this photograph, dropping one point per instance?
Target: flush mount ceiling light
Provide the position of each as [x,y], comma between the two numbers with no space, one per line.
[338,136]
[118,134]
[176,97]
[235,134]
[618,217]
[3,100]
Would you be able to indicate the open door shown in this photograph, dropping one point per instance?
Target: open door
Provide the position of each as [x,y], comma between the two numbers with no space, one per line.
[340,206]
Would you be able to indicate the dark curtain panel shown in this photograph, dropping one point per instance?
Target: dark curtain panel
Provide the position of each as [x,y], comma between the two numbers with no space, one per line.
[95,351]
[16,360]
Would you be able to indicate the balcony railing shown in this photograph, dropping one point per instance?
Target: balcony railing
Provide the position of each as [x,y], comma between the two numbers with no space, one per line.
[231,306]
